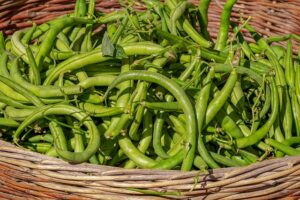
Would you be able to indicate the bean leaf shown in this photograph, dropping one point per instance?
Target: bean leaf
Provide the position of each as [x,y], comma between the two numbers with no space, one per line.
[112,50]
[120,53]
[108,48]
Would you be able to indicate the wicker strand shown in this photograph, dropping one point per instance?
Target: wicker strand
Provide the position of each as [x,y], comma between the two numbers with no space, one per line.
[25,172]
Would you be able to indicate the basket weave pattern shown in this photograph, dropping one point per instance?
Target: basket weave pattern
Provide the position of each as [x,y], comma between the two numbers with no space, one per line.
[269,17]
[28,174]
[25,174]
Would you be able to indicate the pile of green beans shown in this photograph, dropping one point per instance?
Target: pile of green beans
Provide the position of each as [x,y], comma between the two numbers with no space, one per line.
[150,89]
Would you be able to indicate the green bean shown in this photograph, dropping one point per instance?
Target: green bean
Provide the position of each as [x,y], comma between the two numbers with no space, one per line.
[100,110]
[203,18]
[79,143]
[264,110]
[279,51]
[241,70]
[290,79]
[201,110]
[61,55]
[297,81]
[157,134]
[170,162]
[74,33]
[62,42]
[146,138]
[178,125]
[121,102]
[17,47]
[283,38]
[94,141]
[103,80]
[238,97]
[162,106]
[111,17]
[240,161]
[284,148]
[87,41]
[291,141]
[216,104]
[41,29]
[91,8]
[188,28]
[34,73]
[22,90]
[287,121]
[117,158]
[176,14]
[277,131]
[206,54]
[95,56]
[3,65]
[18,114]
[51,152]
[8,45]
[78,40]
[260,133]
[120,127]
[38,147]
[224,160]
[107,149]
[194,64]
[2,105]
[166,18]
[129,39]
[6,122]
[58,136]
[200,163]
[91,98]
[56,26]
[80,8]
[38,138]
[11,102]
[182,100]
[86,44]
[42,91]
[260,68]
[228,124]
[2,42]
[134,154]
[28,35]
[280,78]
[295,112]
[173,39]
[244,44]
[224,25]
[133,130]
[119,31]
[248,155]
[141,94]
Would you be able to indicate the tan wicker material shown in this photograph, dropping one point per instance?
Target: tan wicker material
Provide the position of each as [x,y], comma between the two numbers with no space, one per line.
[270,17]
[25,174]
[28,174]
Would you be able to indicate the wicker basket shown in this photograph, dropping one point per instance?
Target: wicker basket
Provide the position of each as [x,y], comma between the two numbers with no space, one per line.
[25,174]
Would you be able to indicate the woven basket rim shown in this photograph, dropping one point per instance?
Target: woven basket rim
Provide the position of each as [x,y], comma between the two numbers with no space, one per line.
[8,147]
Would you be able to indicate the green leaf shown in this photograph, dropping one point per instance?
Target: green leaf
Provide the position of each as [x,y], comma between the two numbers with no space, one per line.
[108,48]
[120,53]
